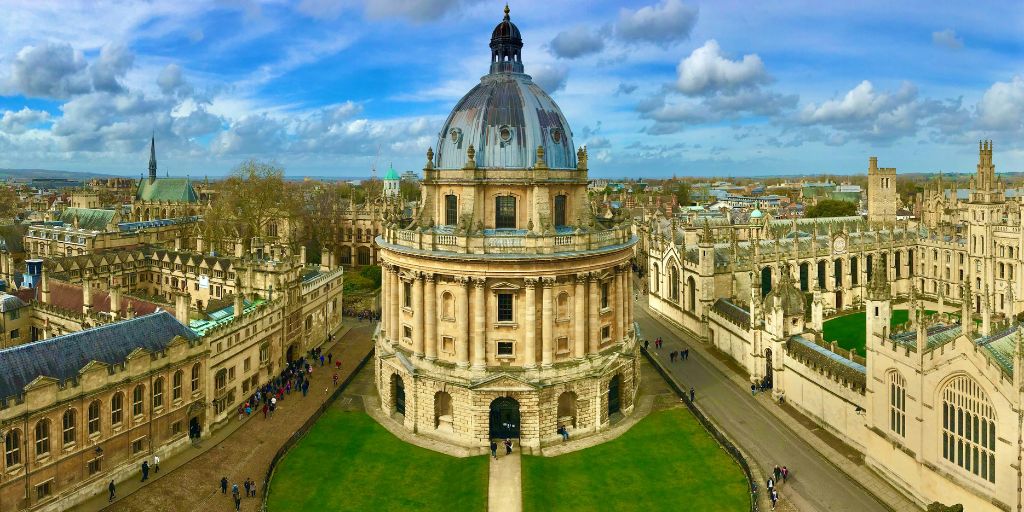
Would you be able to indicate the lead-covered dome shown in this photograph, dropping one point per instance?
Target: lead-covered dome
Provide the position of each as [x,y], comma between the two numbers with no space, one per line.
[506,116]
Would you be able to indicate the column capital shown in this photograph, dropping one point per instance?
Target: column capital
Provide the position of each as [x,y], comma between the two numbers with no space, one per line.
[479,282]
[530,282]
[547,282]
[462,280]
[428,276]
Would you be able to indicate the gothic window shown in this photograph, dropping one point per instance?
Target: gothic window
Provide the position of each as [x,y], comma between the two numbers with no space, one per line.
[656,278]
[451,210]
[854,272]
[505,212]
[560,210]
[692,291]
[674,284]
[158,393]
[116,408]
[897,404]
[195,377]
[12,447]
[176,385]
[137,395]
[969,428]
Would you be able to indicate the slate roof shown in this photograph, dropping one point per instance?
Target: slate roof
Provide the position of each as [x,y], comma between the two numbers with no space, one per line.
[732,312]
[62,357]
[823,358]
[10,302]
[91,219]
[176,190]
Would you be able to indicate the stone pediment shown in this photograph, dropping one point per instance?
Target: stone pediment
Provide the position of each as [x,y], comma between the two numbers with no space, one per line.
[504,286]
[503,382]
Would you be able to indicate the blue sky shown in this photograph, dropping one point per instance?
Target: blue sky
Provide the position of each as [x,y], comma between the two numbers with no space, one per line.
[652,87]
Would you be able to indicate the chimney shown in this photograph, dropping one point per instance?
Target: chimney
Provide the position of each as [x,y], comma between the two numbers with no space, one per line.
[115,301]
[325,259]
[129,311]
[44,295]
[177,243]
[86,296]
[239,298]
[181,303]
[872,164]
[302,255]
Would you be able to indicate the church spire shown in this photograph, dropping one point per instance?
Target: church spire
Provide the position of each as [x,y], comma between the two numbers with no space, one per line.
[152,158]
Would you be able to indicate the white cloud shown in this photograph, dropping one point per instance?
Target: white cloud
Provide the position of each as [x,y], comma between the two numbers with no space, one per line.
[172,82]
[707,70]
[576,42]
[947,38]
[858,104]
[1002,106]
[107,71]
[418,11]
[551,78]
[664,23]
[49,71]
[18,122]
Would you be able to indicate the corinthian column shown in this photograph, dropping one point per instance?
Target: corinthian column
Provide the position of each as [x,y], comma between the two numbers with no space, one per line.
[430,317]
[385,299]
[619,330]
[579,300]
[479,323]
[417,314]
[547,324]
[530,354]
[396,286]
[595,314]
[462,322]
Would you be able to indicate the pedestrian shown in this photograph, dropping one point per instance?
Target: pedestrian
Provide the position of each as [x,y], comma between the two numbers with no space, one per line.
[335,380]
[777,471]
[774,495]
[246,485]
[337,364]
[110,487]
[691,394]
[224,485]
[508,447]
[647,344]
[234,491]
[771,484]
[753,390]
[785,473]
[330,358]
[238,503]
[145,470]
[156,463]
[305,387]
[494,450]
[687,354]
[253,488]
[563,432]
[265,410]
[321,359]
[672,356]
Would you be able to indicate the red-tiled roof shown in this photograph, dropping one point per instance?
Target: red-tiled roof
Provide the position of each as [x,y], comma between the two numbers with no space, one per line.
[70,297]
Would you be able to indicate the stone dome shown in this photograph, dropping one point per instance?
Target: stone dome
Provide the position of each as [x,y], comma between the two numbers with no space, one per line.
[790,298]
[506,117]
[756,214]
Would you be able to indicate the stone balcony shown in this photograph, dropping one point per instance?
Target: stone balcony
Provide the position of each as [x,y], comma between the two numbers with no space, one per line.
[508,242]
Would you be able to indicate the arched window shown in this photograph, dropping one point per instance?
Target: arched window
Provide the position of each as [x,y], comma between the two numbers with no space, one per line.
[195,377]
[220,381]
[42,437]
[116,408]
[137,395]
[969,428]
[897,403]
[656,278]
[12,447]
[560,210]
[158,393]
[673,286]
[176,385]
[691,289]
[451,210]
[94,417]
[68,425]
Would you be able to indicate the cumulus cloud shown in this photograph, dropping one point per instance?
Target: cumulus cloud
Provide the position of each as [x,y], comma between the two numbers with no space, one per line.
[1002,106]
[549,77]
[251,135]
[172,82]
[58,71]
[196,123]
[114,61]
[19,122]
[625,88]
[948,39]
[707,70]
[861,103]
[576,42]
[419,11]
[664,23]
[103,121]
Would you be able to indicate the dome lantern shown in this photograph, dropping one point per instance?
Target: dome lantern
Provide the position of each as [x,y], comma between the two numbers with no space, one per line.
[506,47]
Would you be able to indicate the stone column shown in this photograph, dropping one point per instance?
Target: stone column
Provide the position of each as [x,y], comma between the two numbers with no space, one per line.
[385,298]
[580,314]
[530,352]
[396,306]
[479,323]
[430,317]
[547,324]
[595,315]
[462,322]
[417,314]
[629,300]
[619,330]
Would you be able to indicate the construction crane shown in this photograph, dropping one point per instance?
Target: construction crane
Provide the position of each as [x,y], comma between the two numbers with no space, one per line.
[373,170]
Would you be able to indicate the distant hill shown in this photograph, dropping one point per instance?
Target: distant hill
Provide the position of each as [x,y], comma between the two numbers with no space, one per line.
[29,174]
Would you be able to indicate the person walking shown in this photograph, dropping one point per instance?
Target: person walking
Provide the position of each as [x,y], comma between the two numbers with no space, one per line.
[691,394]
[321,359]
[253,488]
[672,356]
[156,463]
[111,487]
[777,471]
[774,495]
[330,358]
[494,450]
[508,447]
[265,410]
[145,470]
[238,503]
[335,379]
[234,491]
[246,485]
[647,344]
[224,485]
[785,473]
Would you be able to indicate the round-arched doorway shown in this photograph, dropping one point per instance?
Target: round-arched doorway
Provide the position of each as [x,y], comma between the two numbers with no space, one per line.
[504,422]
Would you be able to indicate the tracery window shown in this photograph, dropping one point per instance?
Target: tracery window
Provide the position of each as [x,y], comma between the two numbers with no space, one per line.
[674,285]
[969,428]
[897,404]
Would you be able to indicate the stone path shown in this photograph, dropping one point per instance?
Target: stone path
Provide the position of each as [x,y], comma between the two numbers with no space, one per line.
[190,480]
[820,465]
[505,482]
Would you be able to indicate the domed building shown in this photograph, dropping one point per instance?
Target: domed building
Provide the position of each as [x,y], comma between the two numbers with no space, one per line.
[506,302]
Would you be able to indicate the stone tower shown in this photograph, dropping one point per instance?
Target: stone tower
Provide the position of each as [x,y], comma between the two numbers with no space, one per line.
[881,193]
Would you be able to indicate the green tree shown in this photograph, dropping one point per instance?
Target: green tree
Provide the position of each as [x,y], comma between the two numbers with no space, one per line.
[252,196]
[682,192]
[8,202]
[831,208]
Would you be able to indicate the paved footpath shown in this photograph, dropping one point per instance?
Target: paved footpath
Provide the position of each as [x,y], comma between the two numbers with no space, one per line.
[505,482]
[191,482]
[815,482]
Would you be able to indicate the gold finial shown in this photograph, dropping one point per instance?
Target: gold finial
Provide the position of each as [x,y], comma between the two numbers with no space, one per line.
[506,9]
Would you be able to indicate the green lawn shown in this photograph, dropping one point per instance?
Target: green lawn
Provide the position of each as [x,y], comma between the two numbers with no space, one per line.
[665,462]
[349,462]
[848,331]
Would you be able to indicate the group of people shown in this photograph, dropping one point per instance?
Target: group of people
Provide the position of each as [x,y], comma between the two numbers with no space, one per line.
[364,315]
[296,376]
[680,355]
[778,473]
[508,448]
[250,490]
[145,466]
